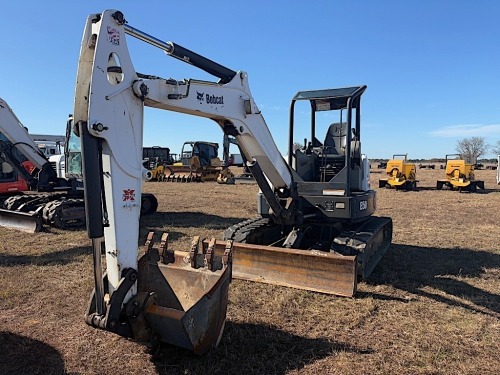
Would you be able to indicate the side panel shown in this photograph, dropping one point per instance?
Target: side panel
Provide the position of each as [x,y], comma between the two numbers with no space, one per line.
[333,204]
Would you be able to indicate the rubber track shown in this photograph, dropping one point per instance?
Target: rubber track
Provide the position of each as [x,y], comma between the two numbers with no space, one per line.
[239,232]
[15,202]
[354,242]
[53,214]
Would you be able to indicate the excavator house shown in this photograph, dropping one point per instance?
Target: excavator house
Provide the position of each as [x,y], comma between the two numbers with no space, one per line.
[315,229]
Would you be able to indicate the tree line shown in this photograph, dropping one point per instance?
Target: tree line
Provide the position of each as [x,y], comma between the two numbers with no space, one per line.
[471,149]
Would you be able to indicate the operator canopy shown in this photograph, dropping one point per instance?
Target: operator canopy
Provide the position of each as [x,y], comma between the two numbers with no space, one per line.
[332,98]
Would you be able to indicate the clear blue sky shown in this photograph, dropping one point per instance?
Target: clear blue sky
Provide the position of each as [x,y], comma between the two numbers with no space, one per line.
[431,67]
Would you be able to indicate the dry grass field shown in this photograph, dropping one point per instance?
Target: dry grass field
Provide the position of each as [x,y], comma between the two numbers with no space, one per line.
[432,306]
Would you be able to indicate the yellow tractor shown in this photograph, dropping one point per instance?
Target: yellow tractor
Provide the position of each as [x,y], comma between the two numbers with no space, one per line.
[459,175]
[401,174]
[199,162]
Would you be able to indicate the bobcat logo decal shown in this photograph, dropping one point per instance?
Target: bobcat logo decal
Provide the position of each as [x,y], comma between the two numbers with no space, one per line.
[199,96]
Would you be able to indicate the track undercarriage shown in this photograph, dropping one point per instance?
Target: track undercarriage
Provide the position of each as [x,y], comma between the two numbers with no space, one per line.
[331,260]
[29,212]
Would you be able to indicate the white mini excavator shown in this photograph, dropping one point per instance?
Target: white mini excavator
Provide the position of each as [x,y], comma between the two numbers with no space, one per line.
[315,231]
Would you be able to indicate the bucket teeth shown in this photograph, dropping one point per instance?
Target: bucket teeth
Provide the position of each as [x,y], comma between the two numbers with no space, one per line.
[194,251]
[209,255]
[190,176]
[167,256]
[227,258]
[191,294]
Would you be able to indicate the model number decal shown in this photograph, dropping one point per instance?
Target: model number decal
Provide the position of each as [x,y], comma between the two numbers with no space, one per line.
[363,205]
[113,36]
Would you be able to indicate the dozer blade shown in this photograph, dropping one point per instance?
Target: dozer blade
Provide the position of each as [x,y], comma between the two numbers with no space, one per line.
[27,222]
[303,269]
[179,173]
[244,178]
[191,293]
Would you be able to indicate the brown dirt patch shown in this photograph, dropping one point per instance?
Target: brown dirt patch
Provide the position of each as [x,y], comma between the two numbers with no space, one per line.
[432,305]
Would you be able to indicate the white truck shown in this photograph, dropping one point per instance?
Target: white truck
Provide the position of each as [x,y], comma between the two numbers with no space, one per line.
[52,146]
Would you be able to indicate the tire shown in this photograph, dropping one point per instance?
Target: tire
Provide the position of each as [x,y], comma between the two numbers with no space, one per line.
[149,204]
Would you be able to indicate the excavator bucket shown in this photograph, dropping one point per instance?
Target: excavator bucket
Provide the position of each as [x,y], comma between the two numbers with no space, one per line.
[191,293]
[30,222]
[317,271]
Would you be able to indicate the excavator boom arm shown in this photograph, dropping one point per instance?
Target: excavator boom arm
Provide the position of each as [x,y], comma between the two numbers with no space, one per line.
[20,139]
[16,133]
[138,297]
[109,102]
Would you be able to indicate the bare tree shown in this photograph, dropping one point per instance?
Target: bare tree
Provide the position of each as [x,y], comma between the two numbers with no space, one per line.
[296,146]
[472,148]
[496,148]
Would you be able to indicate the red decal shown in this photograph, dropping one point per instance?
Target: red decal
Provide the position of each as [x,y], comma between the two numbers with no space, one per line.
[129,195]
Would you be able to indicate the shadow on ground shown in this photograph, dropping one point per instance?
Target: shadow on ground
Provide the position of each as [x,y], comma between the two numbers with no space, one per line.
[456,191]
[23,355]
[60,257]
[412,268]
[251,349]
[189,219]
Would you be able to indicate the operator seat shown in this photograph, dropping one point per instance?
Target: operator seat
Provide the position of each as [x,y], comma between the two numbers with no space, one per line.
[333,139]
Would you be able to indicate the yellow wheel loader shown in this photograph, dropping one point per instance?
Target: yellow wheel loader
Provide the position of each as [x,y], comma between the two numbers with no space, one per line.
[154,159]
[459,175]
[401,174]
